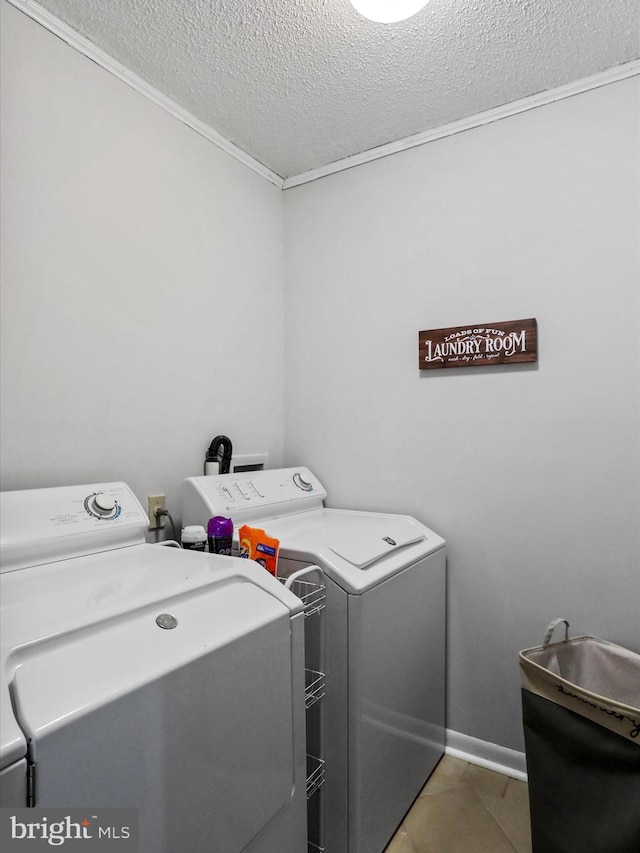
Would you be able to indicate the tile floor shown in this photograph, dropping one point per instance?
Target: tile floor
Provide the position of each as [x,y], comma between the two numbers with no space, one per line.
[466,809]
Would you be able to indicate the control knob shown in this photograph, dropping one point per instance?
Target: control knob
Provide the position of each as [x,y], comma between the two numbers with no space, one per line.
[102,506]
[301,483]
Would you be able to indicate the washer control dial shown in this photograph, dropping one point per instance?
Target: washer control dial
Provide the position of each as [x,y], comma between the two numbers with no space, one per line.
[100,505]
[301,483]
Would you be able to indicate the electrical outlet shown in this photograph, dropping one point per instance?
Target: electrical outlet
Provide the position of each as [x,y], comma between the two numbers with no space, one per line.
[156,502]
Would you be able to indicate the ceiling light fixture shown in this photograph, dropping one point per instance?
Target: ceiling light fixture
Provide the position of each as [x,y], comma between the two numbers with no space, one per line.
[388,11]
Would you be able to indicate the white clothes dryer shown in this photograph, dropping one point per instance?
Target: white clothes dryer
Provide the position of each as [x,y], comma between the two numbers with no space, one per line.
[384,638]
[147,677]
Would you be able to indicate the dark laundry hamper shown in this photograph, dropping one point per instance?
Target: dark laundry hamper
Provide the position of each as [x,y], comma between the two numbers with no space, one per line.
[581,716]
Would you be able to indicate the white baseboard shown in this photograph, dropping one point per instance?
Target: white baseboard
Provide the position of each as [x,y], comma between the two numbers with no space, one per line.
[497,758]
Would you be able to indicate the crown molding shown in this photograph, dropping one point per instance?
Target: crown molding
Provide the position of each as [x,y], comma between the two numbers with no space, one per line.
[94,53]
[531,102]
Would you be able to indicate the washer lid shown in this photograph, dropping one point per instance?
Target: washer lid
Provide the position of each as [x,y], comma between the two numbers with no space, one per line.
[362,547]
[352,547]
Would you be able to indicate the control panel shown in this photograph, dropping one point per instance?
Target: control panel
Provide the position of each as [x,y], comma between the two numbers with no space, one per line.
[244,497]
[68,520]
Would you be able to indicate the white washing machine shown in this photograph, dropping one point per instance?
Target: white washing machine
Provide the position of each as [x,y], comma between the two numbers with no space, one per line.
[384,637]
[148,677]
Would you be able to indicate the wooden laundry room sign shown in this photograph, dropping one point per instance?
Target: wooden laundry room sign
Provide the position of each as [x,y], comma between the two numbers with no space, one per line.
[480,345]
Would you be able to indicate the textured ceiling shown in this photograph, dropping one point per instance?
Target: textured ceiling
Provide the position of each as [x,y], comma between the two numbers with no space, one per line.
[298,84]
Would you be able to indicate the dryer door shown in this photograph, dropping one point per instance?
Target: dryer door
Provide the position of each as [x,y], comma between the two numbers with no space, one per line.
[192,725]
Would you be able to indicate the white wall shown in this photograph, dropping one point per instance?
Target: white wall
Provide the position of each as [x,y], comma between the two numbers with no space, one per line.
[530,472]
[142,282]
